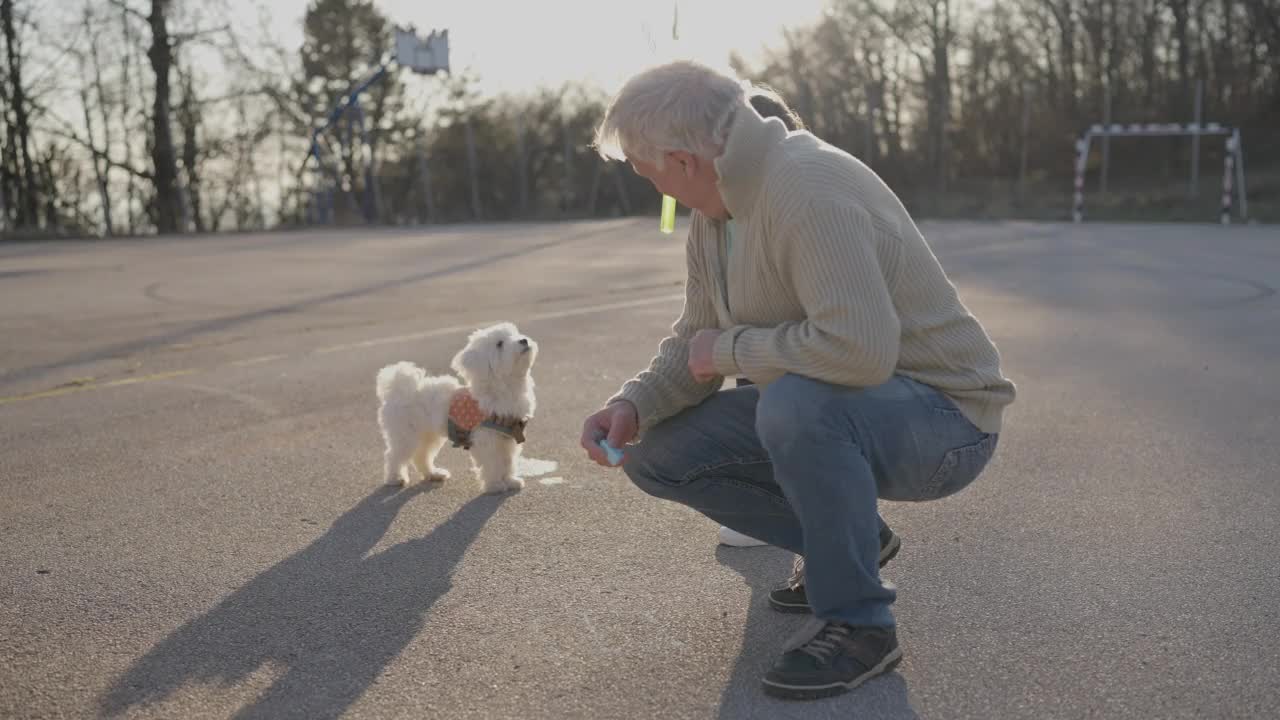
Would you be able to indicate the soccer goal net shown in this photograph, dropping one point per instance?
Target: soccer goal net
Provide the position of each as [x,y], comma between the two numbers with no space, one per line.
[1232,170]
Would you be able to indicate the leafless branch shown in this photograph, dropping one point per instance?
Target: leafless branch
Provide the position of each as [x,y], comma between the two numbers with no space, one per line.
[236,95]
[71,135]
[129,9]
[177,39]
[51,68]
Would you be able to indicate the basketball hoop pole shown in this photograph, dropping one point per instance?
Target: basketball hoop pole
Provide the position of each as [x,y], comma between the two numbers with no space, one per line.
[409,52]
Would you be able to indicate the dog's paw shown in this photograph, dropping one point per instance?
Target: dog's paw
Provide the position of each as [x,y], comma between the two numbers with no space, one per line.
[398,480]
[503,485]
[438,475]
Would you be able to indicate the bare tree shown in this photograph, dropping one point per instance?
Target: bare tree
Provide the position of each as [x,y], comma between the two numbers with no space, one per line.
[28,199]
[163,159]
[126,113]
[164,162]
[101,170]
[926,28]
[188,115]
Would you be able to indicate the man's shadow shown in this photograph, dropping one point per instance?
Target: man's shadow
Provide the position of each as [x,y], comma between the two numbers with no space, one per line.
[766,631]
[329,616]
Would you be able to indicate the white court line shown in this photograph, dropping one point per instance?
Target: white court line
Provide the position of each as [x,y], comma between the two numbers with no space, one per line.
[396,338]
[555,315]
[257,360]
[261,406]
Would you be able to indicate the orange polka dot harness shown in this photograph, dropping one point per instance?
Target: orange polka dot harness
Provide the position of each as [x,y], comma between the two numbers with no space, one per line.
[465,416]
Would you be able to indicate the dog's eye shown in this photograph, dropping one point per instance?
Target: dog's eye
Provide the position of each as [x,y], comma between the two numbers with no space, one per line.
[499,343]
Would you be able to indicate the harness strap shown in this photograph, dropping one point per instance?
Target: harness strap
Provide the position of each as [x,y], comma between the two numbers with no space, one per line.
[465,415]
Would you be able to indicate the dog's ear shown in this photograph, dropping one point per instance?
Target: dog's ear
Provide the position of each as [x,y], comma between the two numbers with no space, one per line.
[473,363]
[462,364]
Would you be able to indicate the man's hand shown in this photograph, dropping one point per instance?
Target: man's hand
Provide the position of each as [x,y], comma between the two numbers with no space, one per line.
[618,423]
[700,363]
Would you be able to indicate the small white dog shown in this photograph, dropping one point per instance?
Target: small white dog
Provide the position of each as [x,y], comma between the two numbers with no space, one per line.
[487,415]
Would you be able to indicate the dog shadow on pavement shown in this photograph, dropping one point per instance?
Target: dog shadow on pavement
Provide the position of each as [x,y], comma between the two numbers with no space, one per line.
[763,568]
[328,619]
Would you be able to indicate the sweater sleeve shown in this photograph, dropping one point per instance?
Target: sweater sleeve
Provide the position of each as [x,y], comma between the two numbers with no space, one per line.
[667,386]
[850,332]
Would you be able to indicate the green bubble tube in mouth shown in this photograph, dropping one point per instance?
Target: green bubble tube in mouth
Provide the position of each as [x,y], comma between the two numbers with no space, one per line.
[668,224]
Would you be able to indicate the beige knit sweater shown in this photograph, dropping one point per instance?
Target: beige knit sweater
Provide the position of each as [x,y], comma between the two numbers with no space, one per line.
[828,278]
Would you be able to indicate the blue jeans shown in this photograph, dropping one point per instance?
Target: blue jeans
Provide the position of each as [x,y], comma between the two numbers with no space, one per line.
[800,465]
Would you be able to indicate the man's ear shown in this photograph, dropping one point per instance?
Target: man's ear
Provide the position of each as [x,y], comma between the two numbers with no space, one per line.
[688,162]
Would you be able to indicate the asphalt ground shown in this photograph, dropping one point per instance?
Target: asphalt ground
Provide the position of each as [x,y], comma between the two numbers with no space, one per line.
[192,522]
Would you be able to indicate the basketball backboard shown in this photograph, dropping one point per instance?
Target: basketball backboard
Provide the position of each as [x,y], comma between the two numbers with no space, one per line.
[424,56]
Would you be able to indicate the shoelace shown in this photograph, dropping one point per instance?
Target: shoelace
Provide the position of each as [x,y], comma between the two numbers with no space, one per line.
[827,642]
[797,573]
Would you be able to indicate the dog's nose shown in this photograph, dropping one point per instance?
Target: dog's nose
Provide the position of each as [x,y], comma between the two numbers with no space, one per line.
[524,342]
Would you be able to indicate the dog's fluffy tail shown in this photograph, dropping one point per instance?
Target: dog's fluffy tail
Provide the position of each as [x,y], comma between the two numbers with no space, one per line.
[400,380]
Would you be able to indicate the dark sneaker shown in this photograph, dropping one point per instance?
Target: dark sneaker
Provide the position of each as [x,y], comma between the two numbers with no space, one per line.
[790,598]
[829,658]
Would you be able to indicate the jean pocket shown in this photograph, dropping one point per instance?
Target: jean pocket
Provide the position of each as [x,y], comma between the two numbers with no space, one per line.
[961,466]
[934,399]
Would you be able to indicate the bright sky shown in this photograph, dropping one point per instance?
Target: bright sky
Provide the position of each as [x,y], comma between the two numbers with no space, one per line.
[515,45]
[511,45]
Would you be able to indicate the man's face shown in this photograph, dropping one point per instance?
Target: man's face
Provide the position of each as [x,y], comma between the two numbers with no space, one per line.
[687,178]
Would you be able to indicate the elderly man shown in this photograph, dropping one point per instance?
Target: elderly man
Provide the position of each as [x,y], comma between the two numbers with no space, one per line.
[767,104]
[807,276]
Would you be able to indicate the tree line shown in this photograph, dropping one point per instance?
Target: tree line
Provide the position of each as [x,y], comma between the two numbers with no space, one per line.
[127,117]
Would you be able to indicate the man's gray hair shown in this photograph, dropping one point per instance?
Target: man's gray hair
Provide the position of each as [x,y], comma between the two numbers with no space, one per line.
[679,106]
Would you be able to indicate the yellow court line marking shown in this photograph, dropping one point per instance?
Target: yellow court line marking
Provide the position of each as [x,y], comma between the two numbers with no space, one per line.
[84,387]
[149,378]
[44,394]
